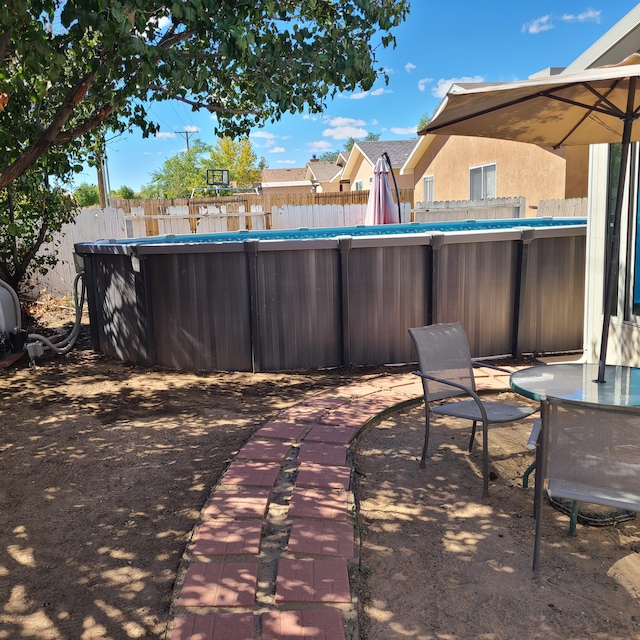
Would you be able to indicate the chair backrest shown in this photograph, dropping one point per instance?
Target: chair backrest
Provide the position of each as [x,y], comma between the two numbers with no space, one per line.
[443,352]
[592,452]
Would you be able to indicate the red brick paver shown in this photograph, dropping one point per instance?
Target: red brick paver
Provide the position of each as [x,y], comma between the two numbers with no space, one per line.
[282,430]
[321,538]
[323,453]
[264,450]
[251,474]
[227,584]
[312,580]
[315,503]
[223,537]
[237,503]
[323,476]
[311,624]
[331,433]
[227,626]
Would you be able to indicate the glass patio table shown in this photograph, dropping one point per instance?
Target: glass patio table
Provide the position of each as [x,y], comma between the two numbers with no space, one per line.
[577,382]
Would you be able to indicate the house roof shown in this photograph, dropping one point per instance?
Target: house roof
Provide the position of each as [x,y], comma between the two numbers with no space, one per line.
[398,150]
[322,171]
[371,150]
[418,151]
[291,174]
[615,45]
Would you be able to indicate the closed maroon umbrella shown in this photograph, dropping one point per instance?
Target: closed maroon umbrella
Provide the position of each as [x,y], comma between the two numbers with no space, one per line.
[381,209]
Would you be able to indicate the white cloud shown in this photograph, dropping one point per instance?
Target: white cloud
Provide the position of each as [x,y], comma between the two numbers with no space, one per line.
[165,135]
[409,67]
[344,133]
[264,135]
[404,131]
[277,150]
[374,122]
[191,129]
[590,15]
[306,116]
[538,25]
[423,82]
[320,145]
[388,70]
[444,84]
[380,91]
[356,96]
[345,122]
[285,161]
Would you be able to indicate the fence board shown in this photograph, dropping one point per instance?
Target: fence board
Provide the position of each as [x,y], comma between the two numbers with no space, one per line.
[450,210]
[570,208]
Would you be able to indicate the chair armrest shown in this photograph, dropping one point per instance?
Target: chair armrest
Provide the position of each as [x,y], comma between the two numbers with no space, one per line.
[532,443]
[486,365]
[467,390]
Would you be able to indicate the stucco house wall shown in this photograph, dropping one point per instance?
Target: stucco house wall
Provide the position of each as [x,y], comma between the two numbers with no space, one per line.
[521,169]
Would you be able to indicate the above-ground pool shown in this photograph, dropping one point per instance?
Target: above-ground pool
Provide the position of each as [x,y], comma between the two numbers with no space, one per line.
[317,298]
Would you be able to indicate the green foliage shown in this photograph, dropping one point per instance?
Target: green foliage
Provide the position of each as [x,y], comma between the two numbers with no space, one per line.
[31,214]
[187,170]
[424,121]
[87,195]
[239,158]
[328,156]
[179,174]
[70,67]
[351,141]
[127,193]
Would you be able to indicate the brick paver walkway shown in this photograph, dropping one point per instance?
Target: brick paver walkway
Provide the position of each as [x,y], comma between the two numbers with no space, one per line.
[271,555]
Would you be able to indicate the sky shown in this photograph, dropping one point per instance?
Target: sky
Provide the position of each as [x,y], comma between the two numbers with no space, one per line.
[439,43]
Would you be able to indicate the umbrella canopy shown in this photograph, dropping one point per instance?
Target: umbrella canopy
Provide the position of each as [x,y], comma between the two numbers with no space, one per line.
[381,208]
[599,105]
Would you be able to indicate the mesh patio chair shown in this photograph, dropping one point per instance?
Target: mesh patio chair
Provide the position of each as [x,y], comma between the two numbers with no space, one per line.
[446,369]
[588,453]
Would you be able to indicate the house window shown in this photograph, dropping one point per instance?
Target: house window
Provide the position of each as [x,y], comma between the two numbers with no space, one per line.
[358,185]
[482,182]
[427,189]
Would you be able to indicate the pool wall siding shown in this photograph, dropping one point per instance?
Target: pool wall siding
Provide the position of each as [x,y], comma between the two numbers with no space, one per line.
[278,305]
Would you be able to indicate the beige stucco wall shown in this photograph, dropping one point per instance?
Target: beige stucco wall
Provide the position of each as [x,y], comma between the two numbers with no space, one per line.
[577,180]
[521,169]
[281,190]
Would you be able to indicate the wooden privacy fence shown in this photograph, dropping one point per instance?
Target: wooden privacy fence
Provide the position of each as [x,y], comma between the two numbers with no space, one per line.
[570,208]
[451,210]
[221,215]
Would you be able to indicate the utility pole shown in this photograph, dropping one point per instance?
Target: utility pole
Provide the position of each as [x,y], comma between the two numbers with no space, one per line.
[186,135]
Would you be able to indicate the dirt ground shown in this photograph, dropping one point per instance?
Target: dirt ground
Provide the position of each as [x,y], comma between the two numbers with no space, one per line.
[105,467]
[440,562]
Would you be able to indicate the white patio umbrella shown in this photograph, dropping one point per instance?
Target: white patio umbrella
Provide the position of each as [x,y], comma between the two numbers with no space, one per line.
[599,105]
[381,209]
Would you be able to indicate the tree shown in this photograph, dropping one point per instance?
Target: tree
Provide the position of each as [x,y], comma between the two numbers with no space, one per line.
[424,121]
[31,214]
[87,195]
[69,68]
[239,158]
[127,193]
[180,173]
[351,141]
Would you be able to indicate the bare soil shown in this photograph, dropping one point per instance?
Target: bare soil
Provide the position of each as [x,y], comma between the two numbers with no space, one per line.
[439,561]
[104,468]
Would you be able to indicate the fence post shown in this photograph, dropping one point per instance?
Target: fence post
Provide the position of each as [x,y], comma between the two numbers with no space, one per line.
[251,249]
[344,244]
[437,241]
[522,259]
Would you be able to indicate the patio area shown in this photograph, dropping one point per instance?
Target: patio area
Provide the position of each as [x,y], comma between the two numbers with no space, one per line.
[441,562]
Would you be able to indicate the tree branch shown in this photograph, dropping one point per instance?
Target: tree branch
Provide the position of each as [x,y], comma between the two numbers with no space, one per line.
[96,119]
[48,137]
[203,105]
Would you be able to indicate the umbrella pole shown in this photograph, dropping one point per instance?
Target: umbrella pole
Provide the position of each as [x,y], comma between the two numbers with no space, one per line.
[395,184]
[615,235]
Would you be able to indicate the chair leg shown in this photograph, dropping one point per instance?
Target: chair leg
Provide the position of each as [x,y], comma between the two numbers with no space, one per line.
[473,435]
[427,424]
[485,457]
[573,522]
[525,476]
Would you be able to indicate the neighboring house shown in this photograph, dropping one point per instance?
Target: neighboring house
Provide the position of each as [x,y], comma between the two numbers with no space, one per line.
[321,174]
[619,42]
[292,180]
[357,173]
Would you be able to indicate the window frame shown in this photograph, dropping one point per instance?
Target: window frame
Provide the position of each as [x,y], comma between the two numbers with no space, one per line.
[483,181]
